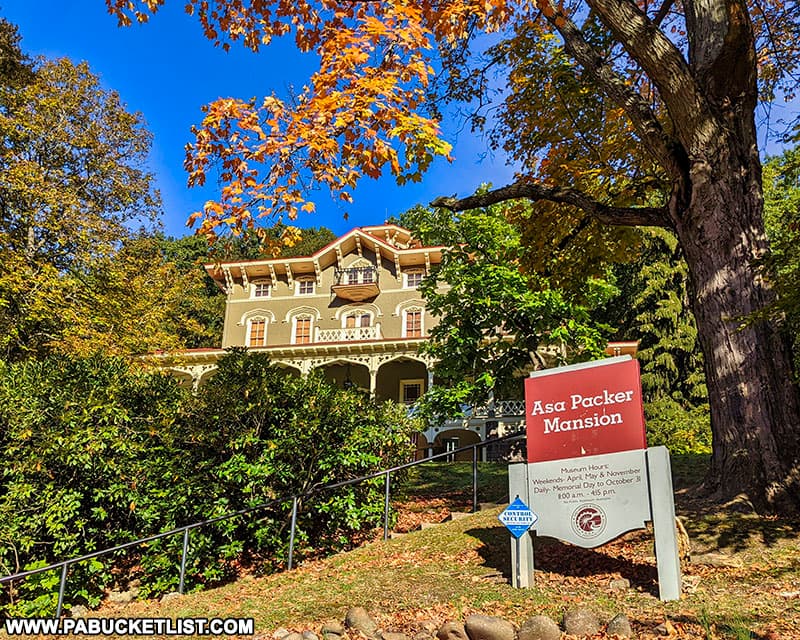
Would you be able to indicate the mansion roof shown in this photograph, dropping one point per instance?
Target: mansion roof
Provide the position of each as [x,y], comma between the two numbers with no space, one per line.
[388,242]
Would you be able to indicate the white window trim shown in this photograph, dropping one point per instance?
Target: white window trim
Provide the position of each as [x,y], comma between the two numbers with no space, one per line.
[295,318]
[404,327]
[407,304]
[405,277]
[255,313]
[255,283]
[248,325]
[368,307]
[359,313]
[297,282]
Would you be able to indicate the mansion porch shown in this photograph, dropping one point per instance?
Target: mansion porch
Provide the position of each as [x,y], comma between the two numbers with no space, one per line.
[385,369]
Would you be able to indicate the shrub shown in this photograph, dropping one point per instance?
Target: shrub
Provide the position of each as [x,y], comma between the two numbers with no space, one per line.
[683,429]
[98,453]
[83,442]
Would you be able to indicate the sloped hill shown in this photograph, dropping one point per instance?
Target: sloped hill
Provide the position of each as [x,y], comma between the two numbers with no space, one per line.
[461,567]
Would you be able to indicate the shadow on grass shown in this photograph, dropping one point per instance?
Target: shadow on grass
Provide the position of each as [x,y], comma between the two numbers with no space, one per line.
[711,525]
[554,556]
[688,469]
[729,529]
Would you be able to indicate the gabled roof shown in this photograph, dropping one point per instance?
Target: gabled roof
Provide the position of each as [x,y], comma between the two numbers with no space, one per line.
[391,241]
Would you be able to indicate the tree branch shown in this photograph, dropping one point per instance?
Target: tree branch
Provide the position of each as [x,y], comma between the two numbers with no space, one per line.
[661,146]
[663,12]
[629,216]
[664,64]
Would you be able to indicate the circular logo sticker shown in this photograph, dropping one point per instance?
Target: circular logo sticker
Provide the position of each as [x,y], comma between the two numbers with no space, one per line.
[588,521]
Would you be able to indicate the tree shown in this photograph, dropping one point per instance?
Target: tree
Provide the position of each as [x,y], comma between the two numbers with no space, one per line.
[72,164]
[98,451]
[624,113]
[136,301]
[496,320]
[782,219]
[277,241]
[15,67]
[72,185]
[651,302]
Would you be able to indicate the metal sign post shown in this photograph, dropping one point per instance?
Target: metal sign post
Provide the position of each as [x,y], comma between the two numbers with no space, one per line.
[518,518]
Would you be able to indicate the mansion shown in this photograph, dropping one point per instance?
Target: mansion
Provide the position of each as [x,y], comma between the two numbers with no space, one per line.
[353,311]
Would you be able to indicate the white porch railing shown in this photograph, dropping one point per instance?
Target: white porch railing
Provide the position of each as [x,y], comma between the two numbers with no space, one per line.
[501,408]
[508,417]
[347,334]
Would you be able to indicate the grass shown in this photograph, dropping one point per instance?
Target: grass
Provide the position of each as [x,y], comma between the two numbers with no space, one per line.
[462,567]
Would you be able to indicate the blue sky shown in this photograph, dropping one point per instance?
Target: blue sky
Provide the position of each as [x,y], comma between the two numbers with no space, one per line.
[167,70]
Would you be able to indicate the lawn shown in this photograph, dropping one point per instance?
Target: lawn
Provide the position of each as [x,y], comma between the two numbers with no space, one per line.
[460,567]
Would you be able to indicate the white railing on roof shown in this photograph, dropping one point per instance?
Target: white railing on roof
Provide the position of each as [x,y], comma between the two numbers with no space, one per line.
[348,334]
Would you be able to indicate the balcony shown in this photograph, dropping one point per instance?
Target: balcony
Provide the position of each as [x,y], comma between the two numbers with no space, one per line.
[356,283]
[348,334]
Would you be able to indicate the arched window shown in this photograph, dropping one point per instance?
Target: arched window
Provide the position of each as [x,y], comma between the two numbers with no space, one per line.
[256,332]
[302,327]
[357,318]
[413,322]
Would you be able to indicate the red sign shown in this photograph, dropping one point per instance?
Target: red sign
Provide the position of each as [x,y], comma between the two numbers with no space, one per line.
[584,410]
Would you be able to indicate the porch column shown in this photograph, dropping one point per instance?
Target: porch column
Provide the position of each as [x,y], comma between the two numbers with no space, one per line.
[373,366]
[490,425]
[373,381]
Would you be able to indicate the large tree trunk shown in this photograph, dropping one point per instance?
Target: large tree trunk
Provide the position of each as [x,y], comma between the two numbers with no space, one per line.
[755,407]
[709,152]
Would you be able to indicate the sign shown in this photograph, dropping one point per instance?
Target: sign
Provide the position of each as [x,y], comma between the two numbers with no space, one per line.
[591,500]
[517,518]
[588,470]
[586,442]
[587,409]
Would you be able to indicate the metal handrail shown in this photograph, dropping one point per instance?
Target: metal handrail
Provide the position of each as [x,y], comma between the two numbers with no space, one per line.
[386,473]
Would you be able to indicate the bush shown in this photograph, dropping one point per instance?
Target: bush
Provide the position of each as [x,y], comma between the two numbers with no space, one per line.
[98,453]
[83,442]
[683,429]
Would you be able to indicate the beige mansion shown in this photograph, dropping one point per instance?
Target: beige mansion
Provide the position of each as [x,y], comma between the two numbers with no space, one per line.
[351,310]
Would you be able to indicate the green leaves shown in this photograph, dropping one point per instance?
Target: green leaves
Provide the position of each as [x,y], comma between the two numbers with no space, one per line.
[782,221]
[97,452]
[496,320]
[652,305]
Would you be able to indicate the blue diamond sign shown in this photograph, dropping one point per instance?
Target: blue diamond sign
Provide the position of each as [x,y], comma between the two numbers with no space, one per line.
[517,517]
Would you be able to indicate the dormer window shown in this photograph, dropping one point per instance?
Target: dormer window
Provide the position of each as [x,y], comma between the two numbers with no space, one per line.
[305,286]
[262,289]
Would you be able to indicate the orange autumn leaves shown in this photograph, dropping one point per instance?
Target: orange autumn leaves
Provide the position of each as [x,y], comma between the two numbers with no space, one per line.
[361,114]
[374,104]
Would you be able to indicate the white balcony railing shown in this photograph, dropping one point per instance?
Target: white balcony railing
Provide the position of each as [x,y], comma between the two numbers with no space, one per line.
[347,334]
